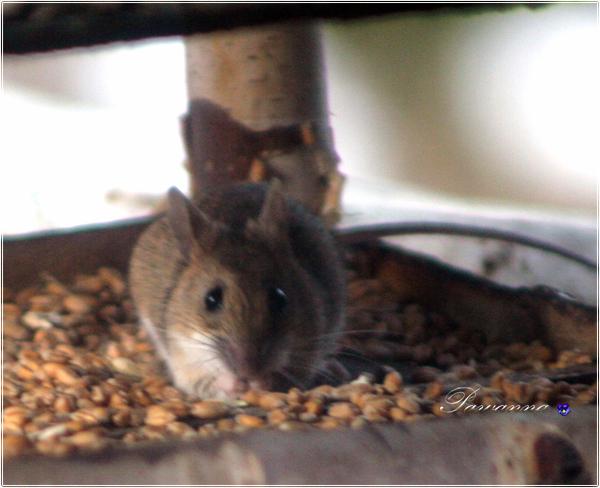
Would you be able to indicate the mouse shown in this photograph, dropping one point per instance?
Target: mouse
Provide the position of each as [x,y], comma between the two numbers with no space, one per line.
[243,289]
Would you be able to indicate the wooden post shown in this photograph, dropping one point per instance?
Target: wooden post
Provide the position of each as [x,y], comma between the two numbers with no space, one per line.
[258,109]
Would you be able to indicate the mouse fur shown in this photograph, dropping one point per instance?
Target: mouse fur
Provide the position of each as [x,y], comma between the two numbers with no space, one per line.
[243,290]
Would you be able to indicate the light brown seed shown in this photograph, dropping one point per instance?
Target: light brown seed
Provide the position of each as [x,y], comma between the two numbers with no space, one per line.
[398,414]
[88,284]
[393,382]
[114,280]
[293,426]
[295,396]
[439,410]
[24,373]
[38,320]
[277,416]
[121,417]
[52,432]
[342,410]
[358,423]
[179,408]
[346,392]
[210,409]
[180,429]
[433,390]
[13,330]
[85,417]
[88,440]
[308,417]
[248,420]
[14,445]
[270,401]
[17,414]
[313,406]
[64,404]
[225,424]
[54,449]
[409,403]
[157,416]
[118,399]
[79,304]
[329,423]
[43,303]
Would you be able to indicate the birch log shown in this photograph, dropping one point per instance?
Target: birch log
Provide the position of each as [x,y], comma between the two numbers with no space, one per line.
[261,79]
[498,448]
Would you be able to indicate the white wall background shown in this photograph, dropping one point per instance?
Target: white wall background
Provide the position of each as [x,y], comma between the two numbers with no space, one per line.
[497,107]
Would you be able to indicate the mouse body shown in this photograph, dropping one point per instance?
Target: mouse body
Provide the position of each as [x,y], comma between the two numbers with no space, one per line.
[243,290]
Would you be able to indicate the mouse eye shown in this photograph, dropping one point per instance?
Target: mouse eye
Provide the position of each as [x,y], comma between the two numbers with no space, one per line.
[214,299]
[278,300]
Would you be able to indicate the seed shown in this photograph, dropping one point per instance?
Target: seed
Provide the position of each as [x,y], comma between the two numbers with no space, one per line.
[433,391]
[347,392]
[342,410]
[313,406]
[291,426]
[295,396]
[122,417]
[17,414]
[91,416]
[308,417]
[88,440]
[179,408]
[210,409]
[157,416]
[126,366]
[393,382]
[252,397]
[225,424]
[439,411]
[397,413]
[270,401]
[117,400]
[409,403]
[53,448]
[37,320]
[358,423]
[52,432]
[329,423]
[78,304]
[43,303]
[248,420]
[277,416]
[88,284]
[24,373]
[13,445]
[12,330]
[326,390]
[60,373]
[180,429]
[114,281]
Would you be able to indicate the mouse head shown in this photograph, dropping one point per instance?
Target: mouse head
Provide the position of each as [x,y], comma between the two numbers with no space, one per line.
[244,313]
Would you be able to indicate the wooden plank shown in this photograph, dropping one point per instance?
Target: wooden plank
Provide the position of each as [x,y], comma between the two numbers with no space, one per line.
[499,448]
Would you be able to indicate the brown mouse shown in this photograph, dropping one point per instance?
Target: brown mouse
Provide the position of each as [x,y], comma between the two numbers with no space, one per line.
[244,290]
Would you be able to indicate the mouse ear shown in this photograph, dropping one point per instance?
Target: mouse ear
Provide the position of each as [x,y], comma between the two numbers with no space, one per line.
[273,219]
[192,228]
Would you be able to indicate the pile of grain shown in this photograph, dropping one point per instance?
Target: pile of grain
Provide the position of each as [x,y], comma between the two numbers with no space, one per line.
[80,375]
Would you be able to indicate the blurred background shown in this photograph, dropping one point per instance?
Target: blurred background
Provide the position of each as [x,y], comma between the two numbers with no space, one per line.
[496,109]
